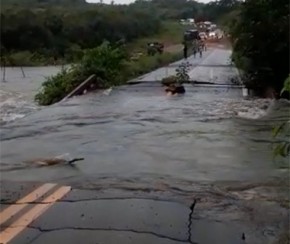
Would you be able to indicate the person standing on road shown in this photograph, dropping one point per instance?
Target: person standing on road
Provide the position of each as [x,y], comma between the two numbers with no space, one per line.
[185,51]
[200,51]
[195,47]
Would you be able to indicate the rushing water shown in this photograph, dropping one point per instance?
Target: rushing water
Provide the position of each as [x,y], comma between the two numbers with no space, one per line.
[17,90]
[204,135]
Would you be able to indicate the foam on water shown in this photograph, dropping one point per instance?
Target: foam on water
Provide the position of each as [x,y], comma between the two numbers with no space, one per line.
[14,106]
[254,109]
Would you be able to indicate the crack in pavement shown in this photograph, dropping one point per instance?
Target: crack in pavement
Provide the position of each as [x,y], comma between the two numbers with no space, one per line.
[192,206]
[93,199]
[110,229]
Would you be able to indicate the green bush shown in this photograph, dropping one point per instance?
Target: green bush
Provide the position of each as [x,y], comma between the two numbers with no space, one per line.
[167,81]
[24,58]
[260,32]
[103,61]
[283,148]
[74,53]
[27,58]
[56,87]
[180,77]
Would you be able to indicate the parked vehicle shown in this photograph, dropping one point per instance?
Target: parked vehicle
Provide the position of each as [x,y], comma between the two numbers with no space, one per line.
[155,47]
[191,35]
[191,38]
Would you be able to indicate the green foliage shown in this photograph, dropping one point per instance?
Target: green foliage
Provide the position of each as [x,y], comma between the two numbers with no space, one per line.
[54,88]
[42,2]
[57,31]
[286,87]
[173,9]
[283,148]
[26,58]
[60,29]
[180,77]
[182,73]
[167,81]
[105,62]
[260,35]
[222,10]
[56,25]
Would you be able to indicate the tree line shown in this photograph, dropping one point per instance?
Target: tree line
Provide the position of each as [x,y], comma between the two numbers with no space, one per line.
[57,31]
[62,28]
[260,37]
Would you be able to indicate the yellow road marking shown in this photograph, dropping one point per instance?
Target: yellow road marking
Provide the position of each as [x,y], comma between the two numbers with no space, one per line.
[22,222]
[23,202]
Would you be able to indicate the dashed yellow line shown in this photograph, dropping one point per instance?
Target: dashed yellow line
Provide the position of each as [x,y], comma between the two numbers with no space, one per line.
[23,202]
[23,221]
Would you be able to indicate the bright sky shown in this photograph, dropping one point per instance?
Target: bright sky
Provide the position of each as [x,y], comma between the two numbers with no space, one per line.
[129,1]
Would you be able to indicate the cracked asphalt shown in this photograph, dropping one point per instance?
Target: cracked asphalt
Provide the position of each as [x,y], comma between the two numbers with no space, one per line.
[80,217]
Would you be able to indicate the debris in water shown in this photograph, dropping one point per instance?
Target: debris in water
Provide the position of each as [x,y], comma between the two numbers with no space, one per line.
[61,159]
[108,91]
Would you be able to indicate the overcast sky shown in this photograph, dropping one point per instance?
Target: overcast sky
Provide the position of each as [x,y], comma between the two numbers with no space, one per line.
[129,1]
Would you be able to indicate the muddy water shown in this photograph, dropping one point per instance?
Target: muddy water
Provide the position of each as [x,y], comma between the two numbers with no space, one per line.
[17,90]
[206,135]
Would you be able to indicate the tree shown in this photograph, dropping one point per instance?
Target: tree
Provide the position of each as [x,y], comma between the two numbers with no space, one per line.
[261,43]
[283,148]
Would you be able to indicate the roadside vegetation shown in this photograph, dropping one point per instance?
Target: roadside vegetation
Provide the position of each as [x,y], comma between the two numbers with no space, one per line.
[282,131]
[260,35]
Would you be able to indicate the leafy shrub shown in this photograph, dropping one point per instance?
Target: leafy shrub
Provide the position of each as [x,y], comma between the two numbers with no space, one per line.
[74,53]
[182,73]
[24,58]
[283,148]
[167,81]
[180,77]
[260,50]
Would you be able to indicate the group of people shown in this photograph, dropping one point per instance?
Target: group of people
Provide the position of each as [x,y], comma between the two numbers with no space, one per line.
[198,47]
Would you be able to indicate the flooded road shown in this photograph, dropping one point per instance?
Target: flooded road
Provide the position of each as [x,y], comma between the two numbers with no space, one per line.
[211,140]
[138,130]
[207,135]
